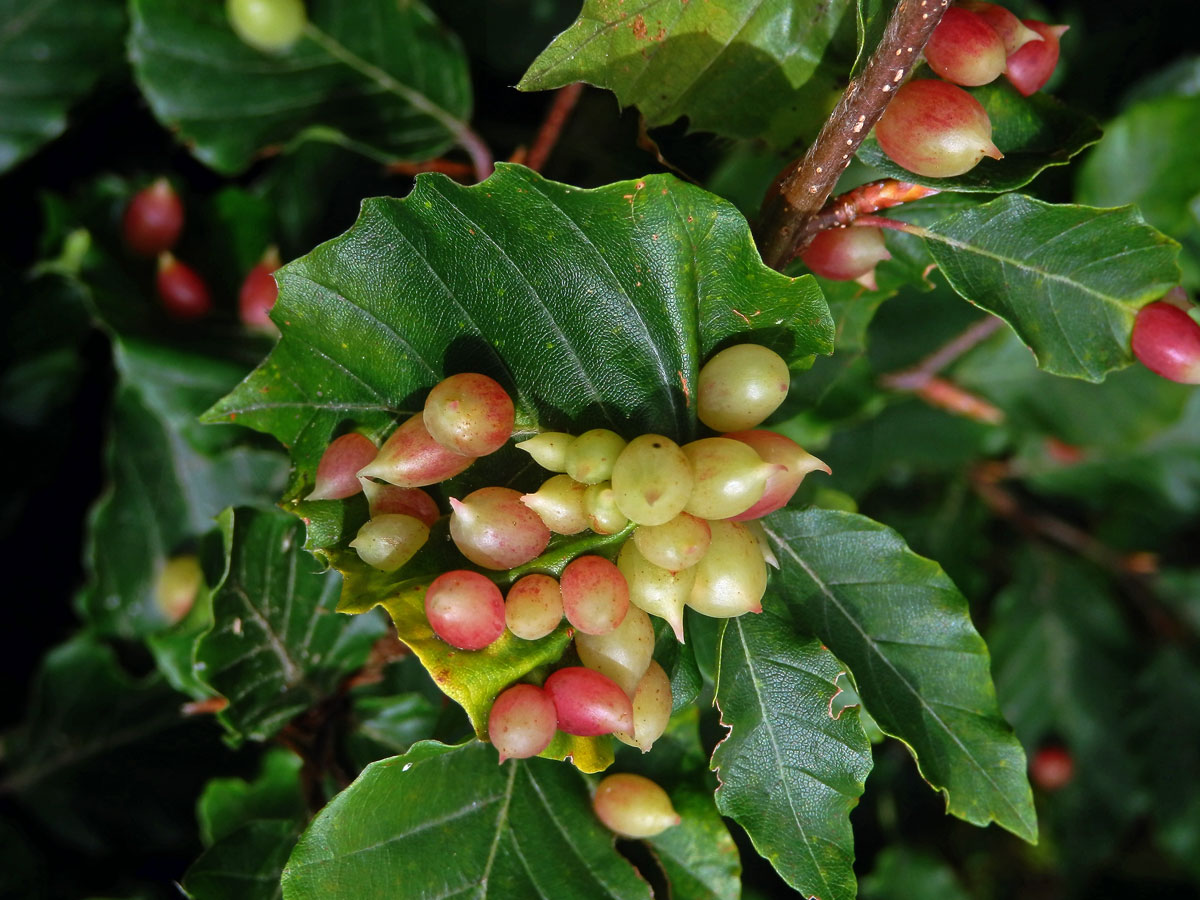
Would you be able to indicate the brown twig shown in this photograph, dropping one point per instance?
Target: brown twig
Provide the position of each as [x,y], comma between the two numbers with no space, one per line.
[916,377]
[316,735]
[986,481]
[556,117]
[647,143]
[1131,569]
[922,379]
[784,226]
[388,649]
[894,224]
[866,199]
[949,396]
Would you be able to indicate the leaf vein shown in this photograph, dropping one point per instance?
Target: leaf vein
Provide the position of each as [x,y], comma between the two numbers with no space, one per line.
[870,642]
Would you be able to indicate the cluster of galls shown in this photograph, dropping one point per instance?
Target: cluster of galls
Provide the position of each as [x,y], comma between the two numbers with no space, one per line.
[694,541]
[935,128]
[151,226]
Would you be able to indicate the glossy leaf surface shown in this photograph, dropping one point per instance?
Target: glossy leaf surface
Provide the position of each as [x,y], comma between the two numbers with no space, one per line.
[245,865]
[227,804]
[710,62]
[276,646]
[524,829]
[643,280]
[921,668]
[52,54]
[790,772]
[377,76]
[1068,279]
[698,855]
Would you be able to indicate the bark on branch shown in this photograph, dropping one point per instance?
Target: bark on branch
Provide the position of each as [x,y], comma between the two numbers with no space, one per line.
[795,201]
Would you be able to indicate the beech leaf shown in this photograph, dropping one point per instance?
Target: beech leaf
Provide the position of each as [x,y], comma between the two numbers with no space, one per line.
[168,478]
[52,53]
[522,829]
[377,76]
[698,855]
[1068,279]
[744,68]
[790,771]
[277,646]
[920,666]
[590,306]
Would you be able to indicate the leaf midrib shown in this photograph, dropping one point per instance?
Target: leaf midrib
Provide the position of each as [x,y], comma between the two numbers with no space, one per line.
[870,642]
[1021,265]
[765,720]
[385,81]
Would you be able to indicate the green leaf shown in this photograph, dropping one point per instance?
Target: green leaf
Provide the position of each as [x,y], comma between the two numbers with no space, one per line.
[52,53]
[1063,676]
[169,476]
[743,69]
[380,77]
[1039,618]
[679,662]
[42,366]
[447,821]
[921,668]
[227,804]
[390,725]
[904,873]
[790,772]
[1068,279]
[277,646]
[1147,158]
[174,648]
[105,761]
[473,678]
[698,855]
[908,438]
[1115,417]
[244,865]
[1034,133]
[591,306]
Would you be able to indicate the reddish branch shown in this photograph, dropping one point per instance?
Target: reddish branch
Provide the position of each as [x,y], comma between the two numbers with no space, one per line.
[1131,569]
[922,379]
[556,117]
[916,377]
[316,735]
[949,396]
[459,171]
[865,199]
[785,226]
[987,479]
